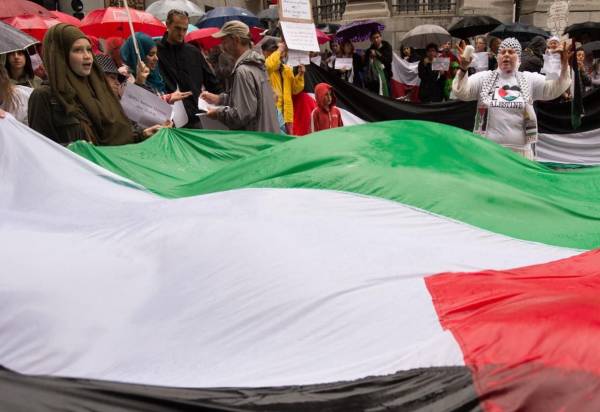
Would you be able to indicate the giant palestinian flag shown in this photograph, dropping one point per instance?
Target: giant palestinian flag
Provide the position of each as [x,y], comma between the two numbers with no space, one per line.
[401,265]
[558,141]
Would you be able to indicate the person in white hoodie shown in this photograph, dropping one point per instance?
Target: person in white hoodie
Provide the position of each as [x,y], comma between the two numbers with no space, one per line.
[505,97]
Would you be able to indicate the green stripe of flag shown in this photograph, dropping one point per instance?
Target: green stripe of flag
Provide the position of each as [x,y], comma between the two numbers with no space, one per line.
[438,168]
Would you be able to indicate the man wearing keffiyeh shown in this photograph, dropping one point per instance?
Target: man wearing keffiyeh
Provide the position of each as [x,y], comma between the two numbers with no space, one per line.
[505,97]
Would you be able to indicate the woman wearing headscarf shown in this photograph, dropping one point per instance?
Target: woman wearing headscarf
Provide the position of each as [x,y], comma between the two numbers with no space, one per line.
[76,103]
[146,72]
[505,97]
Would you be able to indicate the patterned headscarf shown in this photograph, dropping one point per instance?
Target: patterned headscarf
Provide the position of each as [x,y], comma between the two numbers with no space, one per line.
[511,43]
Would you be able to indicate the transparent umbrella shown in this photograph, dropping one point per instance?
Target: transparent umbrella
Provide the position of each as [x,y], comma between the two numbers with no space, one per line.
[12,39]
[425,34]
[161,8]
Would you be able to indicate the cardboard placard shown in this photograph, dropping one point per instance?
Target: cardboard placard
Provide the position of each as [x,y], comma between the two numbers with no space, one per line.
[144,107]
[300,36]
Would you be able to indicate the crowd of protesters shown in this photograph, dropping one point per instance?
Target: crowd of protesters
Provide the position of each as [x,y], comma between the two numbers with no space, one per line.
[253,88]
[79,97]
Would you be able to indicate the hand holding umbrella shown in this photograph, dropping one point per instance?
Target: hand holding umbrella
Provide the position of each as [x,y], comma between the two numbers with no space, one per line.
[142,73]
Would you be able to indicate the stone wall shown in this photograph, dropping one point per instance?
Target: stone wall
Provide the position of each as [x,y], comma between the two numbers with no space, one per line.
[532,12]
[536,12]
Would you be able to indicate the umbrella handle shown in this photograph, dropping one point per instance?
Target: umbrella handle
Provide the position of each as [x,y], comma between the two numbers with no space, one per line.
[135,44]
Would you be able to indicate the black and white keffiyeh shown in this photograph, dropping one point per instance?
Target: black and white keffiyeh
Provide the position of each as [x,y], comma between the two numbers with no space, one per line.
[511,43]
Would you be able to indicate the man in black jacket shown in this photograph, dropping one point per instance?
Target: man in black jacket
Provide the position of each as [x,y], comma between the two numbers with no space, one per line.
[183,66]
[382,51]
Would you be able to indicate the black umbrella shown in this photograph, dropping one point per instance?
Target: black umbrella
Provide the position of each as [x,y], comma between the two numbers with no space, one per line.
[522,32]
[472,26]
[592,48]
[579,30]
[12,39]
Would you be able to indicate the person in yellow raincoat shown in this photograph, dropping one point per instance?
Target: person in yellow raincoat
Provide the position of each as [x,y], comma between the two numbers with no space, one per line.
[282,79]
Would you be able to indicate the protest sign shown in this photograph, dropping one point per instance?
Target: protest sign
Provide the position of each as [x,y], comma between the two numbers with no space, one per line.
[480,61]
[552,66]
[144,107]
[441,64]
[300,36]
[295,10]
[296,58]
[343,63]
[179,115]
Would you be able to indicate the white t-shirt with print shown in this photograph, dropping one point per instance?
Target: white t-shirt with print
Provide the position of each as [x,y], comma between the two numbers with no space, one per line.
[505,120]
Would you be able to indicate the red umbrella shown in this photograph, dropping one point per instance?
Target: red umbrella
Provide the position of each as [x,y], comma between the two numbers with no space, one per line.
[322,38]
[33,25]
[256,33]
[13,8]
[112,21]
[65,18]
[203,38]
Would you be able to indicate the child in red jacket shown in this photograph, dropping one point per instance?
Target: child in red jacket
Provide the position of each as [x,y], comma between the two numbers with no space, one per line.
[325,115]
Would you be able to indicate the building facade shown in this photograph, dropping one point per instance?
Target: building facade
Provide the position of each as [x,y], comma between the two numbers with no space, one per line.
[400,16]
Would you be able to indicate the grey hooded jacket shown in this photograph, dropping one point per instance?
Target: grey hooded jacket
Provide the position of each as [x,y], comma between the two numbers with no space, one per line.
[249,105]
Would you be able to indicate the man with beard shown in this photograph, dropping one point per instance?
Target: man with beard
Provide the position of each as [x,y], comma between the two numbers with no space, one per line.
[182,65]
[249,105]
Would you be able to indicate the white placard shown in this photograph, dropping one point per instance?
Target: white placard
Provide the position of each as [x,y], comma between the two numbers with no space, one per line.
[295,9]
[204,106]
[440,63]
[480,61]
[316,60]
[179,115]
[144,107]
[296,58]
[36,61]
[552,66]
[211,124]
[300,36]
[343,63]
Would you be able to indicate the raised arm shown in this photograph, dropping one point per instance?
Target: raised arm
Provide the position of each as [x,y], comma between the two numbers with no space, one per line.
[554,88]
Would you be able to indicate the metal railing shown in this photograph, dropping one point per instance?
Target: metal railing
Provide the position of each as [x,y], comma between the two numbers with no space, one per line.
[329,10]
[332,10]
[425,7]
